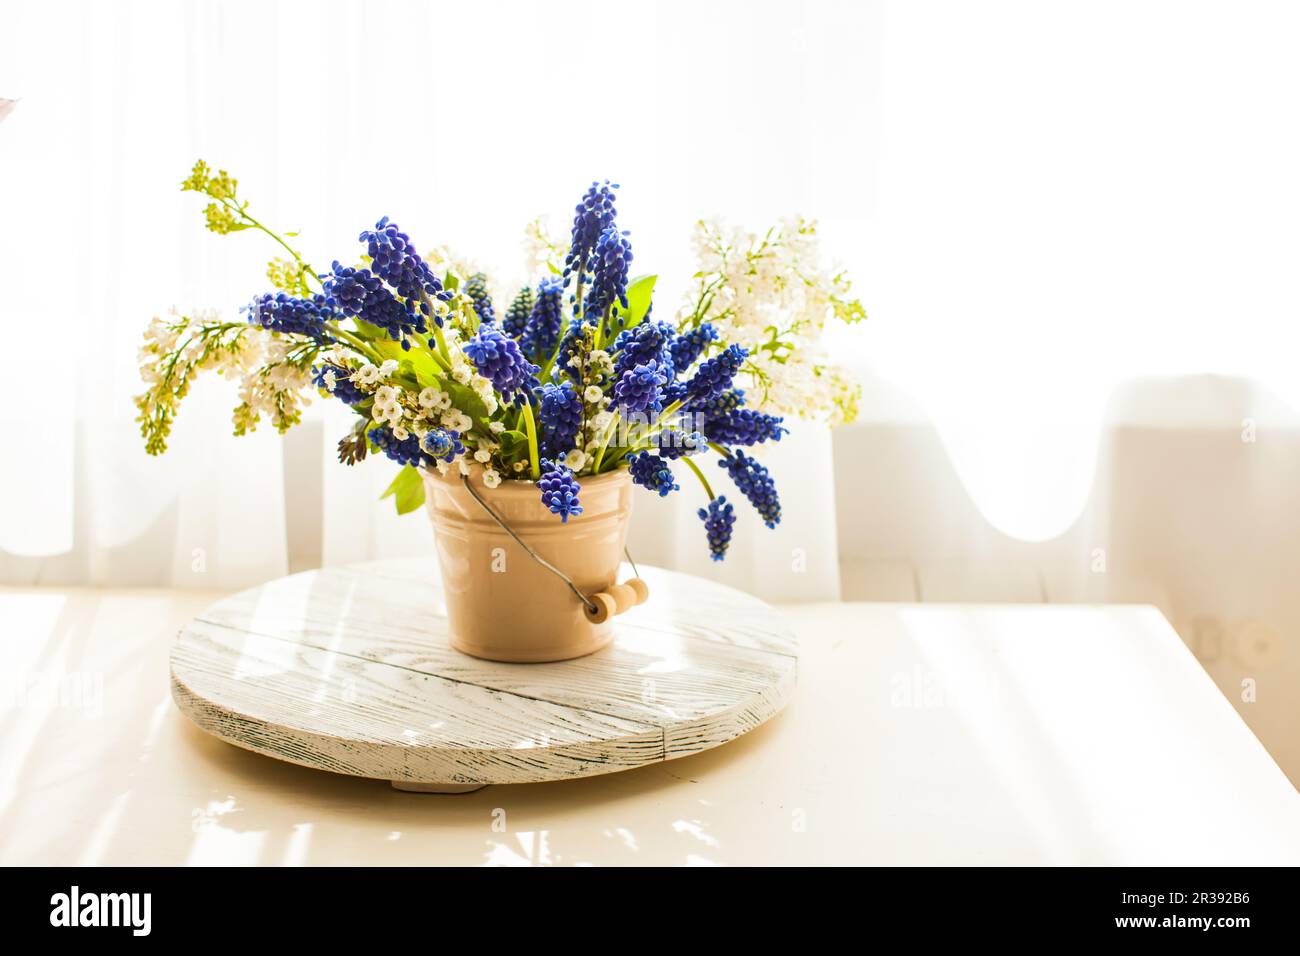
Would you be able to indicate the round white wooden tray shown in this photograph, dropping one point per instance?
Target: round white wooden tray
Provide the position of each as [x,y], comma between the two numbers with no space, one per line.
[349,670]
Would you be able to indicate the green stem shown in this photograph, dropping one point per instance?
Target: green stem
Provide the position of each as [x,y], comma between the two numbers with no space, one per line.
[440,361]
[698,474]
[530,427]
[358,344]
[665,421]
[304,269]
[549,364]
[606,330]
[600,452]
[724,452]
[204,332]
[443,351]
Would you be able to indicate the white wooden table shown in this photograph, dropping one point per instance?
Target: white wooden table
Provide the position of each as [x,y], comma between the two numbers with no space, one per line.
[917,734]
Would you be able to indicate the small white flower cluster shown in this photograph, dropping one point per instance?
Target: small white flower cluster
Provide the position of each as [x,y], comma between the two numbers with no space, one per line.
[483,454]
[404,413]
[175,350]
[771,294]
[275,387]
[596,367]
[464,373]
[543,253]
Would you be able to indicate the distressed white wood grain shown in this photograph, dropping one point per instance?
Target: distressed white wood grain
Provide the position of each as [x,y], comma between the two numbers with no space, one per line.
[349,670]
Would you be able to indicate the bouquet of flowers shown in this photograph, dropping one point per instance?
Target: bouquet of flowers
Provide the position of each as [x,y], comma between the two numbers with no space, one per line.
[575,377]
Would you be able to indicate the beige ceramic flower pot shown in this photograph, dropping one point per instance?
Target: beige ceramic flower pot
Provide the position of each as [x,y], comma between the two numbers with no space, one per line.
[501,604]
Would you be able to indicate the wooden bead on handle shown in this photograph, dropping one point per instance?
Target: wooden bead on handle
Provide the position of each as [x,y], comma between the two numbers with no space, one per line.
[624,598]
[619,598]
[605,608]
[640,587]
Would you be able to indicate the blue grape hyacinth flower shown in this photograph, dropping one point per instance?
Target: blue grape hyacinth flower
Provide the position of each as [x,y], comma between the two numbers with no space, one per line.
[542,333]
[498,358]
[755,484]
[342,388]
[559,490]
[443,444]
[360,293]
[637,389]
[689,346]
[593,215]
[477,290]
[516,319]
[559,416]
[677,443]
[651,471]
[609,266]
[719,405]
[715,375]
[719,519]
[394,259]
[404,451]
[648,342]
[568,345]
[281,312]
[744,427]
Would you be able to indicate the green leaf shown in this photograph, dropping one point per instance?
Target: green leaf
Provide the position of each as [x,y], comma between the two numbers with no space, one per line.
[407,490]
[371,333]
[638,300]
[466,399]
[422,368]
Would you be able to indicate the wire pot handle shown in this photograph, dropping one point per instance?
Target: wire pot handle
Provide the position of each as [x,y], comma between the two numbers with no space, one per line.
[599,607]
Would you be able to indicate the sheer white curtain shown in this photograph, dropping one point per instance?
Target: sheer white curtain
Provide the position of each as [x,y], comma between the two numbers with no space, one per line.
[1040,204]
[461,121]
[1073,198]
[1084,337]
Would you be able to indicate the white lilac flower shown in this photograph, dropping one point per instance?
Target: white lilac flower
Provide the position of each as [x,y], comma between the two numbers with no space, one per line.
[575,459]
[592,394]
[366,375]
[756,279]
[387,367]
[483,456]
[491,478]
[431,397]
[496,428]
[400,433]
[386,395]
